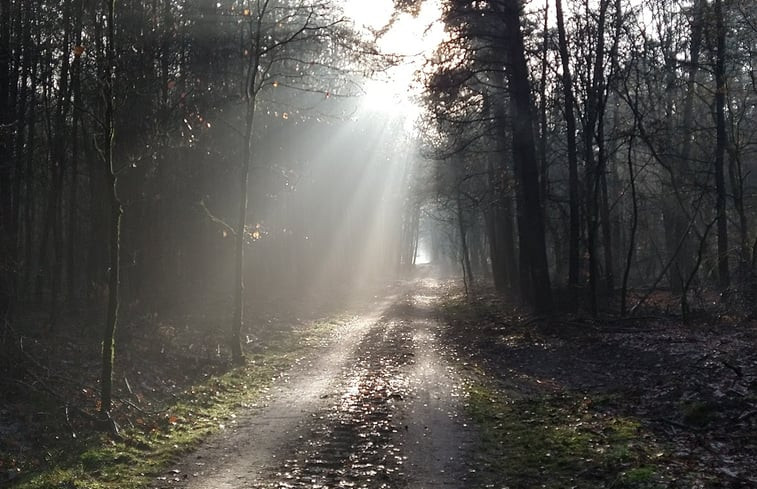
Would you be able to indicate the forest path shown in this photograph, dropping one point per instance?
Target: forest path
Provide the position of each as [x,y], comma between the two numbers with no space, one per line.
[379,407]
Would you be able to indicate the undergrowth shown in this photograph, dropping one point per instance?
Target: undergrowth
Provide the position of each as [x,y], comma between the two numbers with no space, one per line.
[536,432]
[150,442]
[559,441]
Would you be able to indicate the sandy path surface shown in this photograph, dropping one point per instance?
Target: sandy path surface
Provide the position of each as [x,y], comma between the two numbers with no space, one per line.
[379,407]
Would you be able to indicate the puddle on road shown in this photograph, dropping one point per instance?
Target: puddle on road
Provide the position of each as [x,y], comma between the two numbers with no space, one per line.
[354,442]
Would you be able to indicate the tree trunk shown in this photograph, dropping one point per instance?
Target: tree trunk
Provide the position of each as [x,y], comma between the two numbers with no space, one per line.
[526,162]
[97,259]
[735,171]
[108,86]
[60,138]
[544,176]
[593,168]
[29,194]
[7,225]
[17,106]
[503,213]
[251,91]
[492,220]
[238,317]
[506,236]
[634,225]
[676,223]
[416,238]
[465,258]
[43,262]
[73,202]
[722,218]
[604,215]
[574,230]
[21,131]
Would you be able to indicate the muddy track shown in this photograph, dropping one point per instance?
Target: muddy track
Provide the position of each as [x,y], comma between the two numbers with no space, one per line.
[378,408]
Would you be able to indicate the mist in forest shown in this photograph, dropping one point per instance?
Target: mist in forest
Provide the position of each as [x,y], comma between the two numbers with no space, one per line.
[193,178]
[329,158]
[326,198]
[163,154]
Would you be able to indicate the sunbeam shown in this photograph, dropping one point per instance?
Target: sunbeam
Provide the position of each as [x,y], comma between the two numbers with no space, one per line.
[410,39]
[378,243]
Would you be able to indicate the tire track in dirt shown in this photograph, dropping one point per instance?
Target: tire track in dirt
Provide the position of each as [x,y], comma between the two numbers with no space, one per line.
[352,442]
[380,408]
[439,436]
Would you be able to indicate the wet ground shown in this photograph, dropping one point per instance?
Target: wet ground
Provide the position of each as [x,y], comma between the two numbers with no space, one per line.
[378,407]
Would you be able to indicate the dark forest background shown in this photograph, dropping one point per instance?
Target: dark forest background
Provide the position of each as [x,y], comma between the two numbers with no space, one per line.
[609,149]
[179,127]
[579,156]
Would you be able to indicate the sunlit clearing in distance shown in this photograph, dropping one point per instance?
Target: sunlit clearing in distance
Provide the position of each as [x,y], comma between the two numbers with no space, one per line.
[412,38]
[422,256]
[373,14]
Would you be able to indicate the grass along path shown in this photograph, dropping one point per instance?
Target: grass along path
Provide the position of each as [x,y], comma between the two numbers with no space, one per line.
[153,441]
[536,428]
[560,442]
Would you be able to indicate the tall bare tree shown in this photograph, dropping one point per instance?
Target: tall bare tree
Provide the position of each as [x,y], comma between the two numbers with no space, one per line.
[721,89]
[274,28]
[574,227]
[524,155]
[107,84]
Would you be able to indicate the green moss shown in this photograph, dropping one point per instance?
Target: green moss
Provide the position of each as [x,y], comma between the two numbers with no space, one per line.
[556,442]
[59,479]
[641,477]
[462,310]
[698,413]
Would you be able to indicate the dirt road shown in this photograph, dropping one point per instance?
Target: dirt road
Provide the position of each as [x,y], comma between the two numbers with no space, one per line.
[379,407]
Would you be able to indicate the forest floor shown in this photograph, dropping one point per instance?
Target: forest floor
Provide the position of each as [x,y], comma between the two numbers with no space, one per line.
[417,387]
[174,385]
[645,402]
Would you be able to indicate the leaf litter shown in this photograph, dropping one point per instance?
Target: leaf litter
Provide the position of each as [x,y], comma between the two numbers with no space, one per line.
[675,404]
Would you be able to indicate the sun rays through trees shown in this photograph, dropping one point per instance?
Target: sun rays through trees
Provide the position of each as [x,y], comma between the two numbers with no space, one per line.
[196,177]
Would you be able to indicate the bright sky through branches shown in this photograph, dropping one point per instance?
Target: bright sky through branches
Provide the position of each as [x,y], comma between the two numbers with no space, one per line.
[412,37]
